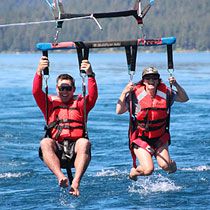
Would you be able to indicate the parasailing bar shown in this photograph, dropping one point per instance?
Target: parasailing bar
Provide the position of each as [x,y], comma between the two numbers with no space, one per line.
[105,44]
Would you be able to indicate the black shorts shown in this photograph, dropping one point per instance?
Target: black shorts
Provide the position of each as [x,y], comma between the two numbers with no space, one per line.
[65,151]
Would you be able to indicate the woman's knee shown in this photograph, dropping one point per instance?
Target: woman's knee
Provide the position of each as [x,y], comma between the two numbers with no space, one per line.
[146,170]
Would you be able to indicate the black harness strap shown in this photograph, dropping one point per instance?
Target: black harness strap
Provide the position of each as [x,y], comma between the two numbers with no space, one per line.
[64,107]
[153,108]
[152,122]
[46,70]
[170,56]
[59,121]
[83,53]
[46,76]
[131,54]
[70,176]
[170,70]
[148,128]
[60,128]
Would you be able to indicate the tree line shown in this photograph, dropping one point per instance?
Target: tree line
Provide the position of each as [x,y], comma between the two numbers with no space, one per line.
[188,21]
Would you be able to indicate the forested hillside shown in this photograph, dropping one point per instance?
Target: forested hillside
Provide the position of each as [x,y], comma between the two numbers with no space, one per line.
[187,20]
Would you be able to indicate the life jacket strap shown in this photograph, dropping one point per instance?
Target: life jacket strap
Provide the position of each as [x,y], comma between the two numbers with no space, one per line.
[59,121]
[64,107]
[140,122]
[60,128]
[153,108]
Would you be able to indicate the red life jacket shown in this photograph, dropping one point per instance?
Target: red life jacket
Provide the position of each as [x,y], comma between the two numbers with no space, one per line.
[152,118]
[66,121]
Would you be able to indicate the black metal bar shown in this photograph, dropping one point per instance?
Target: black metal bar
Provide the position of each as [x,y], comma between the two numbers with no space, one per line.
[106,15]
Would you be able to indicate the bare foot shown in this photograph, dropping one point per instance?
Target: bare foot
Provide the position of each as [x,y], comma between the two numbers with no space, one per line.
[74,190]
[132,175]
[63,182]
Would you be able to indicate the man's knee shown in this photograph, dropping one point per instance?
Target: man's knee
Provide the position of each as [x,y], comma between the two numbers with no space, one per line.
[47,143]
[83,145]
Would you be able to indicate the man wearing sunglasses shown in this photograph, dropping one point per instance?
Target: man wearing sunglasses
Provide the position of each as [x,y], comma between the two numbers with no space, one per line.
[66,138]
[149,103]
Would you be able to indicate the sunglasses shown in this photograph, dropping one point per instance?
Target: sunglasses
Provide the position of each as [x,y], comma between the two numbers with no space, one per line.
[65,87]
[153,77]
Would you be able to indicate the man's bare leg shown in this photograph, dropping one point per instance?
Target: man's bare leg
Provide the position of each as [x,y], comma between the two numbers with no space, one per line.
[83,157]
[51,160]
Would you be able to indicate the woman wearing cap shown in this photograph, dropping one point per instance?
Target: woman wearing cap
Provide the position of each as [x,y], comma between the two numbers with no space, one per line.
[149,103]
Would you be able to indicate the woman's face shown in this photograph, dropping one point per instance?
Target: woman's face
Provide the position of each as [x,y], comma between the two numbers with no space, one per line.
[151,81]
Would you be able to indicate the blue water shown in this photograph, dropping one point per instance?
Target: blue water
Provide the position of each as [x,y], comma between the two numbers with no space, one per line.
[25,183]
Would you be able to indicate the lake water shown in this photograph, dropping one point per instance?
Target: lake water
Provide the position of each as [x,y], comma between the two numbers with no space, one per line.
[25,183]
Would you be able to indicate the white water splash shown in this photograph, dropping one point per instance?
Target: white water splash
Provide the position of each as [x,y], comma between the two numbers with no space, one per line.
[109,172]
[13,175]
[197,168]
[155,183]
[5,192]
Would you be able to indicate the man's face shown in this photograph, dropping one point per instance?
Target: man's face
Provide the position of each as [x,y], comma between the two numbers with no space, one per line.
[65,90]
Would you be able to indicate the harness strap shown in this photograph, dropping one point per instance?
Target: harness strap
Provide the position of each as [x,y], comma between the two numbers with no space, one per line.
[60,128]
[46,76]
[70,176]
[148,128]
[57,122]
[152,121]
[83,53]
[46,70]
[64,107]
[170,56]
[170,70]
[149,140]
[169,114]
[153,108]
[131,54]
